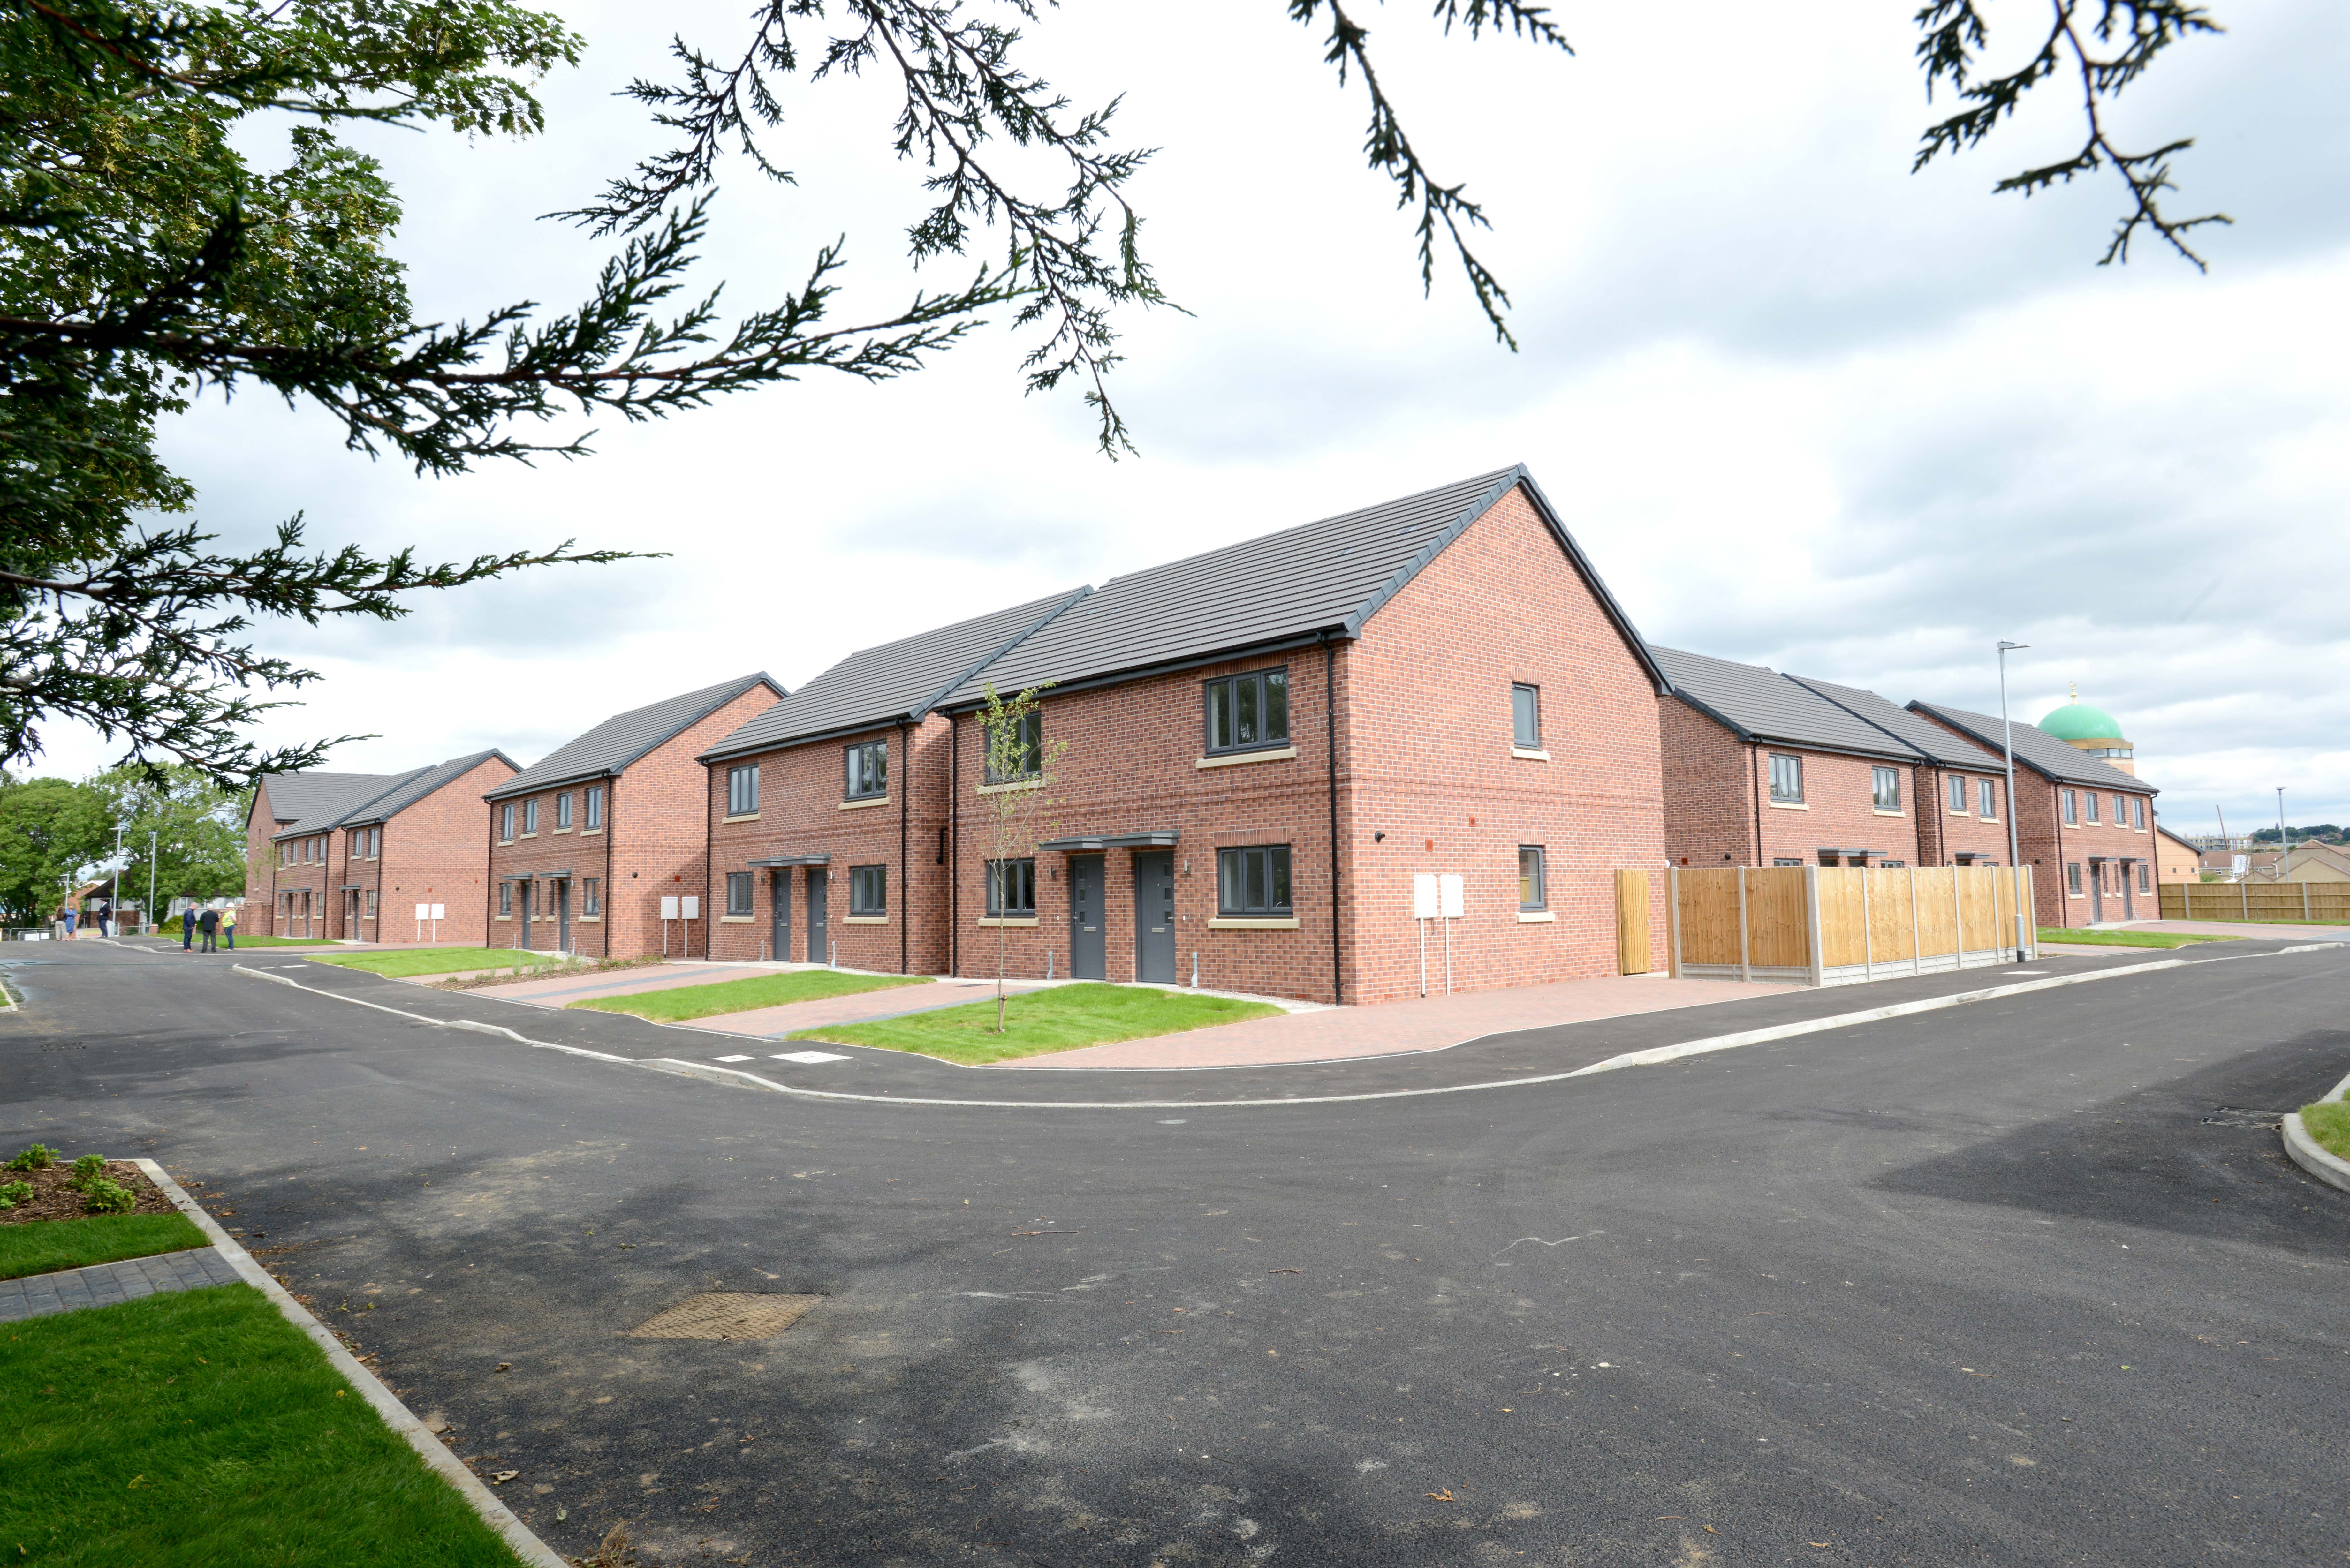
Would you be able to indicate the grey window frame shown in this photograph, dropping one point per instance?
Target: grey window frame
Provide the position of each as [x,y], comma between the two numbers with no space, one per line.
[375,842]
[591,895]
[505,900]
[1883,782]
[593,816]
[2137,812]
[530,816]
[2121,811]
[742,790]
[2071,808]
[506,822]
[1262,681]
[1989,800]
[1541,899]
[1796,762]
[1232,867]
[2143,878]
[1525,717]
[1032,750]
[2072,878]
[562,810]
[1022,875]
[1959,794]
[863,879]
[738,892]
[849,771]
[2090,796]
[1782,860]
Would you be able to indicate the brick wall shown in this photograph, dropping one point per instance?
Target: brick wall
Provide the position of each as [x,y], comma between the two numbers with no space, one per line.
[1945,833]
[310,885]
[436,851]
[260,864]
[575,854]
[1708,789]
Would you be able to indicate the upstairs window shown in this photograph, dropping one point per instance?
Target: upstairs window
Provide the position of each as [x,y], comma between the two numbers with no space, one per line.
[563,810]
[1786,779]
[1015,748]
[1532,894]
[1958,794]
[2137,812]
[743,791]
[2071,808]
[2121,811]
[1990,800]
[869,889]
[375,842]
[505,823]
[868,770]
[1525,717]
[530,816]
[1012,889]
[355,844]
[2092,798]
[738,892]
[1886,795]
[1248,711]
[1253,882]
[594,808]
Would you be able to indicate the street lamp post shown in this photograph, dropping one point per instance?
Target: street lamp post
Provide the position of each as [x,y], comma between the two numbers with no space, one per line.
[2284,850]
[152,921]
[2014,854]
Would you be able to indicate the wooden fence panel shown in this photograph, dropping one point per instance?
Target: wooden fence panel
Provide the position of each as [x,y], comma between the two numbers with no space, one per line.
[2256,901]
[1778,928]
[1892,930]
[1978,910]
[1938,911]
[1632,922]
[1708,917]
[1870,924]
[1843,944]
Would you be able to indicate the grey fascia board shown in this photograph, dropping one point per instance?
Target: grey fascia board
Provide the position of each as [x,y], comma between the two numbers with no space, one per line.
[355,820]
[1086,842]
[1429,551]
[535,875]
[841,733]
[1050,615]
[1177,666]
[1900,750]
[1911,746]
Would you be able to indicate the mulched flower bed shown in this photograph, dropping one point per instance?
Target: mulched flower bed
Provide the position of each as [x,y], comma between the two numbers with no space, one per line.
[52,1199]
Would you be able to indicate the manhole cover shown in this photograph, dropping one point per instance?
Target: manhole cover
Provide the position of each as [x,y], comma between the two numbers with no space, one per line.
[727,1314]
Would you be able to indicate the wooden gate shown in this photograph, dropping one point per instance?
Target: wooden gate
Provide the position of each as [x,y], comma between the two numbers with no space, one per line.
[1821,925]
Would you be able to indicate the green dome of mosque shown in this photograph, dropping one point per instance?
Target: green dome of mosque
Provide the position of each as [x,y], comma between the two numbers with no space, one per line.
[2079,720]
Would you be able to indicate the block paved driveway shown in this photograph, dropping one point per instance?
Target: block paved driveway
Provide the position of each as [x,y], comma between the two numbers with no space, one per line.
[2023,1282]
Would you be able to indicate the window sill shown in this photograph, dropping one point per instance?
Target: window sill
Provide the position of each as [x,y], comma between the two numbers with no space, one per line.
[1992,820]
[861,804]
[1011,785]
[1235,923]
[736,919]
[1880,811]
[530,836]
[592,920]
[1234,759]
[867,920]
[1524,754]
[1007,920]
[1786,806]
[561,831]
[1536,917]
[742,816]
[505,844]
[504,920]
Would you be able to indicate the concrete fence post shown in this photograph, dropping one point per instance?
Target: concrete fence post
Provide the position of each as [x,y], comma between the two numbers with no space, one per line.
[1812,923]
[1745,968]
[1867,932]
[1673,892]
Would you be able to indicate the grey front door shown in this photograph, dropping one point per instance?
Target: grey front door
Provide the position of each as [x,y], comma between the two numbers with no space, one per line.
[779,895]
[563,915]
[1089,958]
[1154,917]
[816,901]
[522,931]
[2097,890]
[2130,904]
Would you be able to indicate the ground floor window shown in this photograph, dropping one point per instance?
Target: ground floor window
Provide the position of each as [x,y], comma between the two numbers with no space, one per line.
[738,892]
[1782,861]
[591,895]
[1253,881]
[505,900]
[1010,889]
[1531,892]
[869,889]
[2072,878]
[370,903]
[1891,865]
[2142,880]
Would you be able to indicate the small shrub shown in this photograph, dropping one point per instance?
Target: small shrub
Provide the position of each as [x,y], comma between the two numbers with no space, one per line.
[87,1169]
[14,1193]
[104,1196]
[40,1156]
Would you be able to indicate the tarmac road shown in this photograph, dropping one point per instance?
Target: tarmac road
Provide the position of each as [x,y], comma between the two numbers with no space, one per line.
[2025,1282]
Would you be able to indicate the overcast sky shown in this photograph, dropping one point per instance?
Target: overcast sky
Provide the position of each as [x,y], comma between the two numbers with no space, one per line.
[1799,406]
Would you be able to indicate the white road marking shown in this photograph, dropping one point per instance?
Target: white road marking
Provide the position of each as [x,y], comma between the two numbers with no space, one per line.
[809,1058]
[734,1058]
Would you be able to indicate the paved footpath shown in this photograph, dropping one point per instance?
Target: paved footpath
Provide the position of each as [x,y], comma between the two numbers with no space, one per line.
[108,1284]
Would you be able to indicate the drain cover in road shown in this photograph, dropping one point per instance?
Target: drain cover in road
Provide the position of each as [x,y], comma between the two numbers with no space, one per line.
[727,1314]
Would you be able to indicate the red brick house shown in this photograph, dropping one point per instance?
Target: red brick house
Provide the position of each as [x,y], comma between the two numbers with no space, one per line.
[2087,825]
[333,855]
[585,844]
[1262,746]
[1958,785]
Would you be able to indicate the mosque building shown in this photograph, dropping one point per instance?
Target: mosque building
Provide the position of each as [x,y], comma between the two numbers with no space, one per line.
[2090,729]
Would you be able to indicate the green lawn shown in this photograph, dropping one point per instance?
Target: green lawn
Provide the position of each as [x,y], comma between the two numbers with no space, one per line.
[45,1246]
[690,1001]
[2086,939]
[200,1426]
[2328,1122]
[402,962]
[1059,1018]
[170,929]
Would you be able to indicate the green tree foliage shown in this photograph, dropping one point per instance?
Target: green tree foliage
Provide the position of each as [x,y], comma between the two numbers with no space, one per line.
[49,830]
[199,828]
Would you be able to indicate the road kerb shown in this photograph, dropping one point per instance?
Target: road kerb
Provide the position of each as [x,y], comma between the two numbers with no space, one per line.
[396,1416]
[2308,1153]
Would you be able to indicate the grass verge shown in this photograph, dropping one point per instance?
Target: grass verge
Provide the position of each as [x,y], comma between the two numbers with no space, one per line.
[683,1003]
[402,962]
[2086,939]
[45,1246]
[1060,1018]
[2328,1122]
[201,1427]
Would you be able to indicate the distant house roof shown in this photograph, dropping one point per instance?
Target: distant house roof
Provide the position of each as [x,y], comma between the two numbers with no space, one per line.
[2176,839]
[1279,590]
[611,746]
[312,803]
[414,786]
[1938,745]
[1757,703]
[900,679]
[2041,752]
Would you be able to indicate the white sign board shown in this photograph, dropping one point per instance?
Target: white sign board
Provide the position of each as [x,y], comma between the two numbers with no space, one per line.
[693,910]
[669,907]
[1423,895]
[440,913]
[423,911]
[1451,884]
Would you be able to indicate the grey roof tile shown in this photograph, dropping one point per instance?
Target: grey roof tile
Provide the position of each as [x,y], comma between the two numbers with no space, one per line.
[900,679]
[2042,752]
[1760,703]
[1922,734]
[313,803]
[623,738]
[1328,575]
[414,786]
